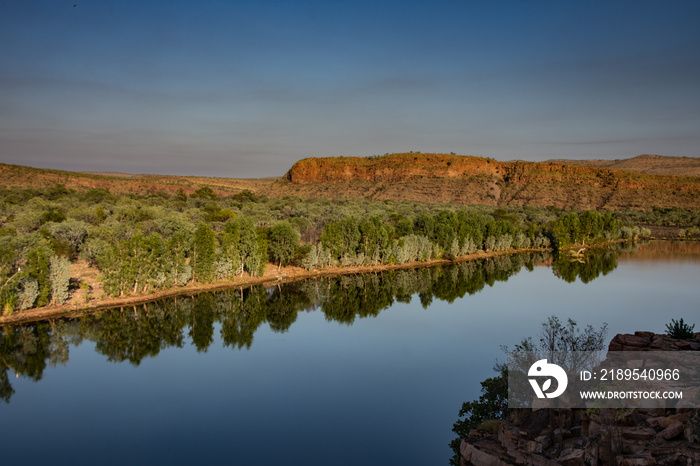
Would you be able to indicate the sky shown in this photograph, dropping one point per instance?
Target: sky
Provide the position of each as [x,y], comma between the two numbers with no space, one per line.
[245,89]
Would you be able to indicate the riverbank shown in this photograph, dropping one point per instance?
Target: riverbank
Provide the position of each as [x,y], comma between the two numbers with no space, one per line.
[77,306]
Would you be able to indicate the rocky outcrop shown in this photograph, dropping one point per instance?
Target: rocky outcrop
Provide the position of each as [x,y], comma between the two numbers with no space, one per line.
[477,180]
[648,341]
[591,439]
[390,168]
[578,437]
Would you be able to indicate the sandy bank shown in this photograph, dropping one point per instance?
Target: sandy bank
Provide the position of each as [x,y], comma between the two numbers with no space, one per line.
[272,275]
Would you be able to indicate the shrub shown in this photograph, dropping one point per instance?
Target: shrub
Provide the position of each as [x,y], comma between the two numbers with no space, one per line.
[59,275]
[9,305]
[541,242]
[519,240]
[92,249]
[503,242]
[469,247]
[680,330]
[205,192]
[28,293]
[347,260]
[454,249]
[490,425]
[223,268]
[311,259]
[184,276]
[324,257]
[71,231]
[631,233]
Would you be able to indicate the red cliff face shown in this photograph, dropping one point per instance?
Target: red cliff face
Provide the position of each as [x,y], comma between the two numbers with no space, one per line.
[401,167]
[388,169]
[477,180]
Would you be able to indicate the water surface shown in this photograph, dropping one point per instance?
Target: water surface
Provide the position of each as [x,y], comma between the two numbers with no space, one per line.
[367,369]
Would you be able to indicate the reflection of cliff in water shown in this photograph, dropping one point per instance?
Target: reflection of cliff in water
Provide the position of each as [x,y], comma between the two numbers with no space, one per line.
[134,333]
[667,250]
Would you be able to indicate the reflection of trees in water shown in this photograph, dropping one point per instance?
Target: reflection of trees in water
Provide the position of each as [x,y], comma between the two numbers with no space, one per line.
[134,333]
[588,268]
[28,349]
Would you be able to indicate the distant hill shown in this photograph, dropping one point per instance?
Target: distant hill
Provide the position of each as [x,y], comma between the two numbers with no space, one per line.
[431,178]
[650,164]
[19,176]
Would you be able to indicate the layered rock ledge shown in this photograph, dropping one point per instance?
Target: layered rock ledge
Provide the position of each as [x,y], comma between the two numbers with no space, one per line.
[578,437]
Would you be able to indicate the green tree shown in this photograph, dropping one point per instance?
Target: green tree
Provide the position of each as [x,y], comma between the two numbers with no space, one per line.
[133,265]
[9,275]
[425,224]
[283,241]
[181,196]
[175,262]
[205,192]
[341,237]
[37,267]
[203,253]
[258,265]
[492,404]
[245,243]
[374,237]
[403,225]
[150,264]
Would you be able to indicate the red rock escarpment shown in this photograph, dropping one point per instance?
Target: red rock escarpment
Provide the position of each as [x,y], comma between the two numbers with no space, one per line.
[477,180]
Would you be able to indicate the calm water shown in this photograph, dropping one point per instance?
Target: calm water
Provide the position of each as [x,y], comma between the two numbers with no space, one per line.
[355,370]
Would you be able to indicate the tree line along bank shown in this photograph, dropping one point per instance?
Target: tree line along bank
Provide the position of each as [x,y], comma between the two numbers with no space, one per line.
[140,244]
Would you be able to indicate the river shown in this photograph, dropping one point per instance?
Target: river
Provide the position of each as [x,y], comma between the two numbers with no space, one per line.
[367,369]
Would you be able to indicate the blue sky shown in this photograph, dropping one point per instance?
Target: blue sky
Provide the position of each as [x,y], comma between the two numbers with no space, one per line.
[244,89]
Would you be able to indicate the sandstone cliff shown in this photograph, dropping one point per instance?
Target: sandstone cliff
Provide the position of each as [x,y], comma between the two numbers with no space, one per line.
[476,180]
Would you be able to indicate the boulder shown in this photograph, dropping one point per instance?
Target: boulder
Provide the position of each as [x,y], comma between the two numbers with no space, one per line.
[536,422]
[672,431]
[638,433]
[664,422]
[572,457]
[628,342]
[473,455]
[664,343]
[635,460]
